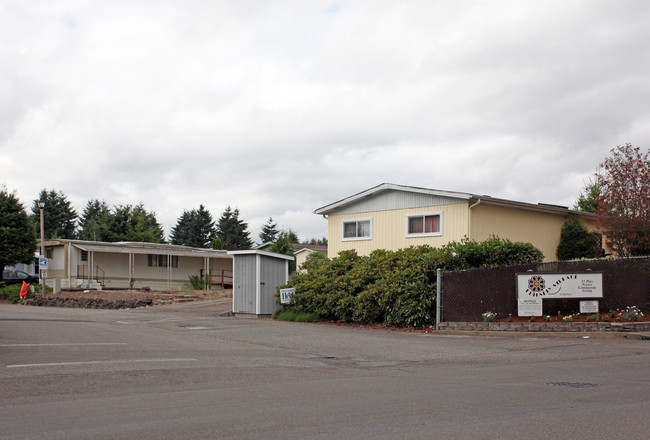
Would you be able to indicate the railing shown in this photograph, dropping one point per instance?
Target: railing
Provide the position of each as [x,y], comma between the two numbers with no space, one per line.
[99,276]
[222,277]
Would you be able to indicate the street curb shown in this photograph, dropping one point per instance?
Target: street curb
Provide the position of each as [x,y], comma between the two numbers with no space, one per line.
[553,335]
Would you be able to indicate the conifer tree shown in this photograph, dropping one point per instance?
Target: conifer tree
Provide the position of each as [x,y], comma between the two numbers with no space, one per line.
[17,232]
[95,221]
[232,231]
[269,232]
[577,242]
[194,228]
[59,219]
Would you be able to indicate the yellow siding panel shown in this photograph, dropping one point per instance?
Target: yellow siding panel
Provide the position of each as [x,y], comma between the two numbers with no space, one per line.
[389,229]
[542,230]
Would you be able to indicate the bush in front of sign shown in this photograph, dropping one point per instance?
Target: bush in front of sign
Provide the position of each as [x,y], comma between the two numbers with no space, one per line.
[633,313]
[489,316]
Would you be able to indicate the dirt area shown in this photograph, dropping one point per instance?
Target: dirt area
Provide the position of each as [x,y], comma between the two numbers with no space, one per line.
[123,299]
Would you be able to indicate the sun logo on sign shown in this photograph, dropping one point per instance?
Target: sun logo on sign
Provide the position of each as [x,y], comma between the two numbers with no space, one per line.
[536,285]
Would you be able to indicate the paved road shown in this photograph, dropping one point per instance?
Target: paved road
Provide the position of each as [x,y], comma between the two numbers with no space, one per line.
[184,372]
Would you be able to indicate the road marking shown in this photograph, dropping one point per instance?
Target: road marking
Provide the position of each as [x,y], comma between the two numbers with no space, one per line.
[153,321]
[63,345]
[130,361]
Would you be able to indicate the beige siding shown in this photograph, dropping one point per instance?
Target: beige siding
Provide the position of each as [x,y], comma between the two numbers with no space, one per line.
[389,229]
[542,230]
[301,257]
[116,269]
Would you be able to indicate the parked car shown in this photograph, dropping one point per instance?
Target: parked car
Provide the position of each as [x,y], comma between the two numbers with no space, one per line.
[17,277]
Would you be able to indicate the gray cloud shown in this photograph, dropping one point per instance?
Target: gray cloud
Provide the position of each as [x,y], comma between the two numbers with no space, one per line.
[279,108]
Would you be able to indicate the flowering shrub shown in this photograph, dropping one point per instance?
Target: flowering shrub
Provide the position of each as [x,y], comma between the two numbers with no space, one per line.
[567,318]
[633,313]
[489,316]
[547,318]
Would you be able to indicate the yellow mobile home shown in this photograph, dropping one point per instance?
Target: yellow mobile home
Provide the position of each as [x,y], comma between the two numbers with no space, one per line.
[392,217]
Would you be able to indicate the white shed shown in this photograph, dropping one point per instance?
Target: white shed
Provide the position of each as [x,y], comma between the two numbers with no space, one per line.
[256,276]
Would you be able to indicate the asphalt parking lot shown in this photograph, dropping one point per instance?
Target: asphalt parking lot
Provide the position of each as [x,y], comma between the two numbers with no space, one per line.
[184,371]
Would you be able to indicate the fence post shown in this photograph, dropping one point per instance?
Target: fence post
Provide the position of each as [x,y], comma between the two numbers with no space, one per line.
[438,297]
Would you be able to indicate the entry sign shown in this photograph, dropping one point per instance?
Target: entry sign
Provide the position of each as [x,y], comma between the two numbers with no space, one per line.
[588,306]
[529,307]
[559,285]
[286,295]
[42,263]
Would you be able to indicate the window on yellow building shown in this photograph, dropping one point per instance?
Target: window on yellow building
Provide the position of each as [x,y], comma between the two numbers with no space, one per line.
[429,224]
[357,229]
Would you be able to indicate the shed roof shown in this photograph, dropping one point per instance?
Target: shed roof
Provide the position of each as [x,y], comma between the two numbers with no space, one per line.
[260,252]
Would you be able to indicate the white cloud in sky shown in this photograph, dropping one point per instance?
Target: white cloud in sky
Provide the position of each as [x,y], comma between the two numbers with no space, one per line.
[281,107]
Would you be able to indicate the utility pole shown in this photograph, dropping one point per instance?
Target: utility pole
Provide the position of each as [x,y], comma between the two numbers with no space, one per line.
[41,274]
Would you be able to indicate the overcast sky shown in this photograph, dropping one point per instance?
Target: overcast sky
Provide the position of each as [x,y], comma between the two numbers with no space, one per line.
[281,107]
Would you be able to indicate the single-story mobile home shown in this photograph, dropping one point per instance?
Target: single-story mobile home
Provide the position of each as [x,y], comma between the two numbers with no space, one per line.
[79,263]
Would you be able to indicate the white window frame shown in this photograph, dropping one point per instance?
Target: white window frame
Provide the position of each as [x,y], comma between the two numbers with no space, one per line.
[424,234]
[356,220]
[161,260]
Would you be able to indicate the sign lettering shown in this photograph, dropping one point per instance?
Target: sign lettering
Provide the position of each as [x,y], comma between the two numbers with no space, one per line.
[286,295]
[560,285]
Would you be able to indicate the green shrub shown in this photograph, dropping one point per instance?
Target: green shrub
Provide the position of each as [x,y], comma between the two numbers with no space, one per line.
[198,283]
[492,252]
[577,242]
[295,316]
[393,287]
[11,292]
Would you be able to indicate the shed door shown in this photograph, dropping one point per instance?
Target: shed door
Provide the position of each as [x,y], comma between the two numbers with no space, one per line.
[244,284]
[273,273]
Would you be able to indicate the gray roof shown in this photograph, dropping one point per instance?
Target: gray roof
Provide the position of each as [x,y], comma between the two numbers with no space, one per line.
[124,247]
[472,198]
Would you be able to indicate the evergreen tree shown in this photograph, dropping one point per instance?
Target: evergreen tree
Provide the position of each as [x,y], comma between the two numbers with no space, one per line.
[17,232]
[205,227]
[587,200]
[181,232]
[269,232]
[194,228]
[317,241]
[95,221]
[59,219]
[216,244]
[577,242]
[134,223]
[232,231]
[284,245]
[290,235]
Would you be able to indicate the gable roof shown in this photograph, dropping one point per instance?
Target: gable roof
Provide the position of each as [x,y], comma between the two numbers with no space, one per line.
[298,248]
[472,198]
[385,187]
